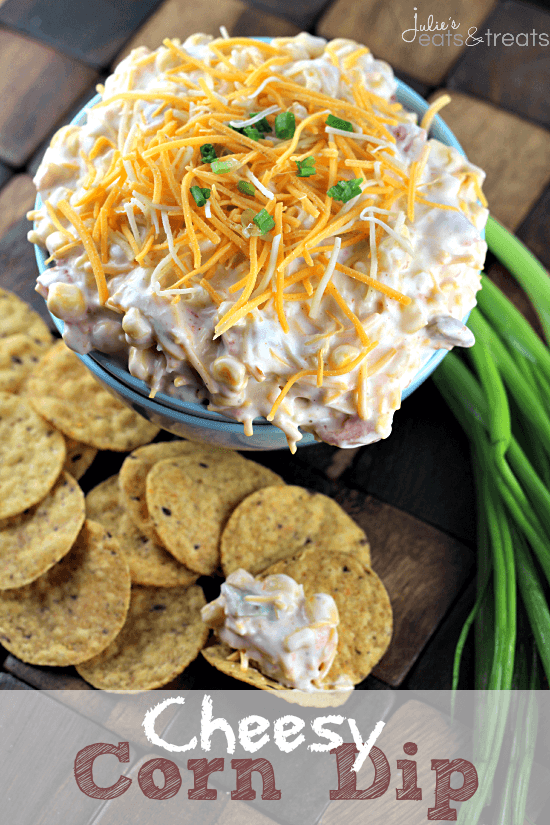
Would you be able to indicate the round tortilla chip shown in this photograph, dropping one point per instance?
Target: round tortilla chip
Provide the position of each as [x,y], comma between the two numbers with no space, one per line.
[37,539]
[162,635]
[278,522]
[79,457]
[191,497]
[149,563]
[133,474]
[73,611]
[19,355]
[103,504]
[65,393]
[32,453]
[365,628]
[17,316]
[217,654]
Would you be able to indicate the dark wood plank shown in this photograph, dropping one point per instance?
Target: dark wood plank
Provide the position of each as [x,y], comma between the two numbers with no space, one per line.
[18,269]
[45,678]
[424,466]
[91,32]
[380,27]
[434,670]
[535,229]
[78,104]
[179,18]
[304,471]
[5,174]
[8,682]
[423,89]
[423,571]
[327,460]
[40,740]
[514,153]
[37,85]
[303,14]
[16,198]
[510,68]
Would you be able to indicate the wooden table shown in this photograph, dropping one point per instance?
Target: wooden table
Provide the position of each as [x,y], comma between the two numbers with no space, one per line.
[413,493]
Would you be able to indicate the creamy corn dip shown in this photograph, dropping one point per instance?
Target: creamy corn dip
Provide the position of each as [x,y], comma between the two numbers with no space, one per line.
[262,228]
[287,637]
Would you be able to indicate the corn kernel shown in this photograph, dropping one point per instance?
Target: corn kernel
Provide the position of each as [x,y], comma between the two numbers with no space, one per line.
[66,301]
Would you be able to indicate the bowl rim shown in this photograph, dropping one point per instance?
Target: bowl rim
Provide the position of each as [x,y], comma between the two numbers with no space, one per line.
[102,363]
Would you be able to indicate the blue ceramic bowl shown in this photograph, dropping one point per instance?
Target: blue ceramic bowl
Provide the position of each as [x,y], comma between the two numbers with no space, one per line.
[194,421]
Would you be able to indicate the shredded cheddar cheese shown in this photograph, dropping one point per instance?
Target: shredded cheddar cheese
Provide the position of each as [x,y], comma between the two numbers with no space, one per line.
[431,112]
[90,248]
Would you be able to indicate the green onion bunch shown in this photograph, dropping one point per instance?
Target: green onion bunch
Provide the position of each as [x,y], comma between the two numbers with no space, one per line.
[501,397]
[502,400]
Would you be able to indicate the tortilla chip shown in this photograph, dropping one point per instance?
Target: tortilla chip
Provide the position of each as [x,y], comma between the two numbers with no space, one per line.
[19,355]
[277,522]
[79,457]
[32,453]
[149,563]
[191,497]
[73,611]
[365,628]
[162,635]
[133,474]
[65,393]
[37,539]
[217,654]
[17,316]
[103,504]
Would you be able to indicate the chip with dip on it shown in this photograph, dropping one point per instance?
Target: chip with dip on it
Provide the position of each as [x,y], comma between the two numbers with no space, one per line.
[273,637]
[280,630]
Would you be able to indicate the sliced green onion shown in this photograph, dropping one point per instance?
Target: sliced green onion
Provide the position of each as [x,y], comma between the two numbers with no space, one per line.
[252,132]
[339,123]
[246,188]
[255,131]
[200,196]
[264,221]
[285,125]
[221,167]
[345,190]
[208,153]
[306,167]
[262,125]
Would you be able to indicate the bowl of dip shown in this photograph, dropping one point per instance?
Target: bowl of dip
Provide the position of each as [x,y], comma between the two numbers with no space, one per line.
[190,416]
